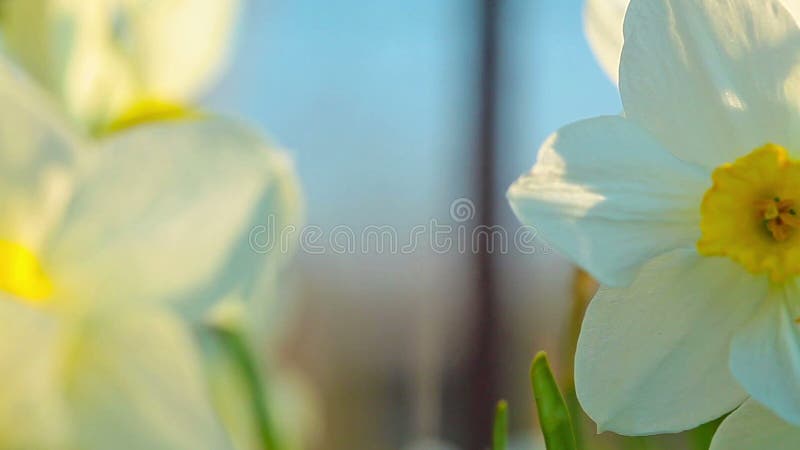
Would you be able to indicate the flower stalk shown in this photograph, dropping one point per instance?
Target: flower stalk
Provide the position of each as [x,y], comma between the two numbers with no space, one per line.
[239,352]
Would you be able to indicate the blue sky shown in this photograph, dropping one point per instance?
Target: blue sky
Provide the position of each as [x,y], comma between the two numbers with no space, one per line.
[375,99]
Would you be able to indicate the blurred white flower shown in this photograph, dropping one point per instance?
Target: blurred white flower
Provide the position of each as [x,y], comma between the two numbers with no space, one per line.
[685,209]
[603,22]
[296,406]
[106,248]
[105,58]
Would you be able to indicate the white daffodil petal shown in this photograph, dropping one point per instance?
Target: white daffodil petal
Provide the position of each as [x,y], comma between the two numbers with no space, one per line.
[37,155]
[32,412]
[168,213]
[652,357]
[765,354]
[100,56]
[135,382]
[754,427]
[603,23]
[711,79]
[607,195]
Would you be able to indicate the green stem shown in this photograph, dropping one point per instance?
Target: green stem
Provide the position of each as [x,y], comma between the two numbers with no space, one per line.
[636,443]
[237,349]
[583,288]
[700,437]
[575,411]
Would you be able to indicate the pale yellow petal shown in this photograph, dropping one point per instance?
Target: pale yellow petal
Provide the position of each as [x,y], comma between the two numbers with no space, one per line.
[168,211]
[134,381]
[99,57]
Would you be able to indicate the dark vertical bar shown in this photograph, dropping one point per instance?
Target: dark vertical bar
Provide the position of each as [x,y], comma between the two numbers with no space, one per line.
[483,374]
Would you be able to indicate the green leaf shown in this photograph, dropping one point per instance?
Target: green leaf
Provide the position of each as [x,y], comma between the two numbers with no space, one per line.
[500,432]
[554,417]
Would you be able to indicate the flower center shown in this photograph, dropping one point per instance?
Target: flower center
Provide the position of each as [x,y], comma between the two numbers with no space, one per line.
[21,273]
[749,213]
[780,217]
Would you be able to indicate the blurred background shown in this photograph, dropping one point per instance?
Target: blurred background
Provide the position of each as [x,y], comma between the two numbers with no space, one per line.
[387,108]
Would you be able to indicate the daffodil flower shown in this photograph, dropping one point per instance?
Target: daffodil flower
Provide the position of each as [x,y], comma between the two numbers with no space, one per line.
[104,59]
[685,208]
[108,251]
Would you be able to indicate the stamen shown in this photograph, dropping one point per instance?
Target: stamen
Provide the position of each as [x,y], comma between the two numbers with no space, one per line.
[779,217]
[789,219]
[771,211]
